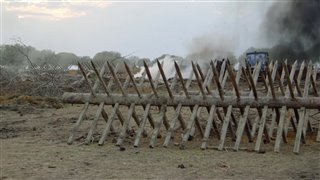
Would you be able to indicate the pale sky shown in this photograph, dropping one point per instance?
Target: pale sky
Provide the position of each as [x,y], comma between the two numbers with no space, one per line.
[149,29]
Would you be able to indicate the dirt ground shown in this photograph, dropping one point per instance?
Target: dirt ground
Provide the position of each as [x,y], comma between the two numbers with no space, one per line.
[34,146]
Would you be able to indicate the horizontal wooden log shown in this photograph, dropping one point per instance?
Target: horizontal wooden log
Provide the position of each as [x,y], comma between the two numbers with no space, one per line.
[81,98]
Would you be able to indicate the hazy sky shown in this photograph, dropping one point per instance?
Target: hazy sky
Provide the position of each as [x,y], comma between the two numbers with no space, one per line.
[149,29]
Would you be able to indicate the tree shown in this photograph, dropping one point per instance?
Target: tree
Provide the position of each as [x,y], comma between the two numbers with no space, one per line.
[110,56]
[83,59]
[44,57]
[65,59]
[16,56]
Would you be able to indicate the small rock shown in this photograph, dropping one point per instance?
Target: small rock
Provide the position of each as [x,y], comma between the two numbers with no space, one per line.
[303,176]
[181,166]
[86,163]
[51,166]
[190,138]
[121,148]
[230,173]
[223,165]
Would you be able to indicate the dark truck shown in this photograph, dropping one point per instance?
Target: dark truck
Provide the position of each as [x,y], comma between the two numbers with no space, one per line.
[252,58]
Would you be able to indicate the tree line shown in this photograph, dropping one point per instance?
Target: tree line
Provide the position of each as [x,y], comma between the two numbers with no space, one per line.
[21,56]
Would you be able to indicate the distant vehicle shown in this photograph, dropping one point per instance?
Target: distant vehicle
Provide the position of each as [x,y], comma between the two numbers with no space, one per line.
[252,58]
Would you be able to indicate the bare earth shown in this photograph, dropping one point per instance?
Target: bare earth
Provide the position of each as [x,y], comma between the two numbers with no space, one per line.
[33,146]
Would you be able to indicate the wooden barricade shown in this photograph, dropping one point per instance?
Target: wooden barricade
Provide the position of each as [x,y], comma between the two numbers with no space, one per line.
[271,107]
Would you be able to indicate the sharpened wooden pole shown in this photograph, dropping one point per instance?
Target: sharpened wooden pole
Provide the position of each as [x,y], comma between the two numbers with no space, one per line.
[208,128]
[189,127]
[225,125]
[86,78]
[157,126]
[150,79]
[303,114]
[244,116]
[206,85]
[142,125]
[172,125]
[108,125]
[84,109]
[181,80]
[125,126]
[262,127]
[94,124]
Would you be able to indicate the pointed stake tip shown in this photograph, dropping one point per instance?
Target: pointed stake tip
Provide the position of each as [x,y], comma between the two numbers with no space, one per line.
[158,62]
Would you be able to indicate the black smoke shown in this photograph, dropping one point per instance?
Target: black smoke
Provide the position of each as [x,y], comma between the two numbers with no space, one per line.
[294,29]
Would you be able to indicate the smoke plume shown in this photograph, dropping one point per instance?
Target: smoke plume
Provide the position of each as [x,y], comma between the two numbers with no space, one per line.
[167,62]
[210,47]
[293,27]
[201,50]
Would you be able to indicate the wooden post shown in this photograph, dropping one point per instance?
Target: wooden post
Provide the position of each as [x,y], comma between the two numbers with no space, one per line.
[262,127]
[158,125]
[125,126]
[150,79]
[244,116]
[87,80]
[142,125]
[185,89]
[284,108]
[108,125]
[224,128]
[208,128]
[190,125]
[84,109]
[172,125]
[303,114]
[221,94]
[206,85]
[94,124]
